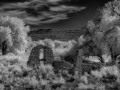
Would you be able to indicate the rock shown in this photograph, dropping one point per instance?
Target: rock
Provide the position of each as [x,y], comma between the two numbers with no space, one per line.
[79,62]
[35,57]
[48,55]
[62,65]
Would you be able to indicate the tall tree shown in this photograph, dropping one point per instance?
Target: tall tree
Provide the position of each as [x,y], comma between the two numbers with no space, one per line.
[5,39]
[15,33]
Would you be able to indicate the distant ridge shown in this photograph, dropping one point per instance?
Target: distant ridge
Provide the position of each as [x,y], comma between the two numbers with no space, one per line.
[63,35]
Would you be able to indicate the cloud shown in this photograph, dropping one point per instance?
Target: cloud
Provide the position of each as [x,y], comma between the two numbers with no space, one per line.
[36,12]
[63,8]
[54,1]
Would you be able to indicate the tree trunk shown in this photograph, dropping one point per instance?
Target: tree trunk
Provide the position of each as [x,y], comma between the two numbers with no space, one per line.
[4,48]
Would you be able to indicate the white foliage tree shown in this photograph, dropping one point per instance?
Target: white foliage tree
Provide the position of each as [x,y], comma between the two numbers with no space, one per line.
[5,35]
[111,11]
[15,32]
[5,39]
[91,26]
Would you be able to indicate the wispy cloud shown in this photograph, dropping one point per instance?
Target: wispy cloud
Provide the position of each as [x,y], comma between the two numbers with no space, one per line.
[37,12]
[54,1]
[62,8]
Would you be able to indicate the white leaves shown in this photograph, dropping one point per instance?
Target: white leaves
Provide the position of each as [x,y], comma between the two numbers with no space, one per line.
[62,48]
[91,26]
[59,47]
[93,59]
[81,40]
[113,70]
[59,80]
[105,70]
[48,69]
[107,58]
[18,33]
[5,35]
[82,86]
[109,12]
[84,78]
[97,74]
[108,19]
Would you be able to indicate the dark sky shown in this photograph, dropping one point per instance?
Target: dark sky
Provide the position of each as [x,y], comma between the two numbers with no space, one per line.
[55,14]
[79,19]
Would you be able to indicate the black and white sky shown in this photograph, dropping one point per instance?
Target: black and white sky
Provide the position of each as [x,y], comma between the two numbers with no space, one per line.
[54,14]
